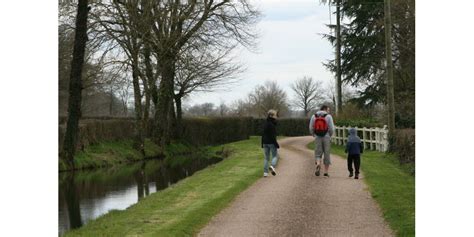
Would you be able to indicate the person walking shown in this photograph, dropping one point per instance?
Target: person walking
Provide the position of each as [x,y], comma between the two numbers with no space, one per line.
[321,126]
[269,143]
[354,148]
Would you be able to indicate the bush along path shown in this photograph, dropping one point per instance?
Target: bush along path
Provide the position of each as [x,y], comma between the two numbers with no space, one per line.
[297,203]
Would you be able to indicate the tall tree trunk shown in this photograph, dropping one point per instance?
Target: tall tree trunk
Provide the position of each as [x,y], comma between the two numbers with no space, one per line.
[75,83]
[389,70]
[162,133]
[305,110]
[179,115]
[174,123]
[338,59]
[151,90]
[146,109]
[139,143]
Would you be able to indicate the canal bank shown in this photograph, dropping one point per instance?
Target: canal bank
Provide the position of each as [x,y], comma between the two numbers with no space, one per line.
[183,208]
[109,153]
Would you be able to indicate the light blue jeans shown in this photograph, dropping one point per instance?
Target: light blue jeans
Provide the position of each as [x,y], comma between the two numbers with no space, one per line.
[267,148]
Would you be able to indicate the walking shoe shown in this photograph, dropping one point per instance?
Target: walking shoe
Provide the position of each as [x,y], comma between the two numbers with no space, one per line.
[318,168]
[326,174]
[265,174]
[272,170]
[356,177]
[351,174]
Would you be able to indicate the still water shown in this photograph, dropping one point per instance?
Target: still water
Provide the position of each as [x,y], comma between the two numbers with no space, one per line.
[86,195]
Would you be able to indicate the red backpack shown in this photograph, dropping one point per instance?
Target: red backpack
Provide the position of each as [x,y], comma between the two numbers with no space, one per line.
[320,125]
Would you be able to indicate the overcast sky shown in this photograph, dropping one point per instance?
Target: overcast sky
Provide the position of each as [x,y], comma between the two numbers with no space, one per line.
[290,46]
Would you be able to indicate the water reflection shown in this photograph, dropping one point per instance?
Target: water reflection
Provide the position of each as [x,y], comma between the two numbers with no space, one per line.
[86,195]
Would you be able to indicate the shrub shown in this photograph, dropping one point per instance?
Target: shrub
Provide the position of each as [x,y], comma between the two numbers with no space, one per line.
[367,122]
[403,143]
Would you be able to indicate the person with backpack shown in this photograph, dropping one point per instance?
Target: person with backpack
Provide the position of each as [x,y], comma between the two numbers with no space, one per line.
[354,148]
[321,126]
[269,143]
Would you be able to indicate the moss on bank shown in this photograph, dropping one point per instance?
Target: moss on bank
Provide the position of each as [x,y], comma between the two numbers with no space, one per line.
[110,153]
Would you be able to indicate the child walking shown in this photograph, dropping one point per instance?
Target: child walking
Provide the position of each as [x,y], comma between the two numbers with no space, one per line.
[354,148]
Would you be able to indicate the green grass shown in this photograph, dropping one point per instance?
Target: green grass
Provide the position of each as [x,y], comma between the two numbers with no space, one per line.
[110,153]
[185,207]
[391,185]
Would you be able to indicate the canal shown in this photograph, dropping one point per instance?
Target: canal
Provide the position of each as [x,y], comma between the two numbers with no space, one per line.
[86,195]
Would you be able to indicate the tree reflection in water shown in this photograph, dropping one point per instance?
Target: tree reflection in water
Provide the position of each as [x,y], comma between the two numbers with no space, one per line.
[85,195]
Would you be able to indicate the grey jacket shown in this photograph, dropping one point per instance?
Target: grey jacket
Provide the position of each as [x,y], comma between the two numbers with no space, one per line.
[328,120]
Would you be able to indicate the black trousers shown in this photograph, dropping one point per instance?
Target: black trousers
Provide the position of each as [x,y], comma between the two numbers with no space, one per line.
[353,159]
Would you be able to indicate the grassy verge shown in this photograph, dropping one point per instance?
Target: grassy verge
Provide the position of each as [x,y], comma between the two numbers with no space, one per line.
[184,208]
[391,185]
[110,153]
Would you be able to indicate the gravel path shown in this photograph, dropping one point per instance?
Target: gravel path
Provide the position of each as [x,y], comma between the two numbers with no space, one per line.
[297,203]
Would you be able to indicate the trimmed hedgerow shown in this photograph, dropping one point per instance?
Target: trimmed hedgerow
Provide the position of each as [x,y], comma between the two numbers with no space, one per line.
[196,131]
[215,131]
[285,126]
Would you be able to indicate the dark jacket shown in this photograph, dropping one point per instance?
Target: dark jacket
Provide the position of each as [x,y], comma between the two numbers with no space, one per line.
[354,145]
[269,132]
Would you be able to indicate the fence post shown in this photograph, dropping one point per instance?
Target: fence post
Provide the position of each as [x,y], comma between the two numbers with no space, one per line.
[363,137]
[339,135]
[385,138]
[378,139]
[372,143]
[344,135]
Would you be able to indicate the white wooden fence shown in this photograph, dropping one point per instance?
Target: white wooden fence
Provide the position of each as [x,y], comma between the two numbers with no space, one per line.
[372,138]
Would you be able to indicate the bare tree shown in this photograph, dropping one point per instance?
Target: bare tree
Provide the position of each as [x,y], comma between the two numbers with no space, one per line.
[308,94]
[75,83]
[204,109]
[266,97]
[203,70]
[124,23]
[240,108]
[330,93]
[223,109]
[174,24]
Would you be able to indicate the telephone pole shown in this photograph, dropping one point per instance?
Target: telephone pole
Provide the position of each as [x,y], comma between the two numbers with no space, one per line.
[338,59]
[389,67]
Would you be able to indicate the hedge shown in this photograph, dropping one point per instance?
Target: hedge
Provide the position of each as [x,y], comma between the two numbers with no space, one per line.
[285,126]
[92,131]
[215,131]
[196,131]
